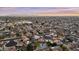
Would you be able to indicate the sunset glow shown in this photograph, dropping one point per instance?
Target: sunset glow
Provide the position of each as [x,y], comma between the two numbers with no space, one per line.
[39,11]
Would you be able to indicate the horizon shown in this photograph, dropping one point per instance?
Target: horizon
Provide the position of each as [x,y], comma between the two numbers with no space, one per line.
[39,11]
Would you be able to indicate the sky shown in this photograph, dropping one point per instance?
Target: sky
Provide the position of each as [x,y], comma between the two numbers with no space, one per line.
[39,11]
